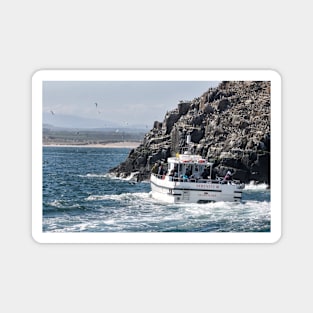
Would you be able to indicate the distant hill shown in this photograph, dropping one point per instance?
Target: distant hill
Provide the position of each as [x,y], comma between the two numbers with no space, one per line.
[80,136]
[49,127]
[71,121]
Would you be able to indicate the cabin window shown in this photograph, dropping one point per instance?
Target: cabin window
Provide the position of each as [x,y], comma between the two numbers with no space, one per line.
[189,170]
[180,168]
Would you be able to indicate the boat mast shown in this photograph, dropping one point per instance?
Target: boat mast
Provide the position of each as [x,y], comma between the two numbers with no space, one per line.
[189,143]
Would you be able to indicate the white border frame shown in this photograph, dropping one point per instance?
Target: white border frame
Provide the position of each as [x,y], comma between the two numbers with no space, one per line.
[156,75]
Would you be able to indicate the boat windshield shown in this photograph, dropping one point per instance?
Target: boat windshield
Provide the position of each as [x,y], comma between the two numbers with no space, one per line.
[189,169]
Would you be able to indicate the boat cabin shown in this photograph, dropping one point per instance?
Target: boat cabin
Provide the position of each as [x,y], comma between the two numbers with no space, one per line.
[189,167]
[188,179]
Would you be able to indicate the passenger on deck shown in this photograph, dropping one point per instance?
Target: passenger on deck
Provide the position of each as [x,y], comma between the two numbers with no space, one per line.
[228,176]
[188,172]
[154,168]
[172,174]
[160,170]
[184,177]
[205,174]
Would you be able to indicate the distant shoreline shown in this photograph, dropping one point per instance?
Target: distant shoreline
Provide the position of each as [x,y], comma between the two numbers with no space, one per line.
[125,144]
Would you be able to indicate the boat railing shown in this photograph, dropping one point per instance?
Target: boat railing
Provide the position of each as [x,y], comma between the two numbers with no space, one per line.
[189,179]
[217,180]
[158,176]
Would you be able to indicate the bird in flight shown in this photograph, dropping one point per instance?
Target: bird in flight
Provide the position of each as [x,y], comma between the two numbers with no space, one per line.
[52,112]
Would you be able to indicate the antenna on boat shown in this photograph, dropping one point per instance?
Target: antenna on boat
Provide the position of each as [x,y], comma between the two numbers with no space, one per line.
[189,144]
[188,139]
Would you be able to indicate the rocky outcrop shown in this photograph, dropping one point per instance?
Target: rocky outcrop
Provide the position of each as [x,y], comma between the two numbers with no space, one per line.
[229,125]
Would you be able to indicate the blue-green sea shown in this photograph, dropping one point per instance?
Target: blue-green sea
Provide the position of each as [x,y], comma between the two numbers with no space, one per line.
[79,195]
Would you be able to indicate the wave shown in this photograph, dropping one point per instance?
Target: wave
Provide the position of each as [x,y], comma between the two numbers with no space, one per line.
[91,175]
[145,197]
[225,205]
[257,187]
[120,197]
[131,177]
[139,212]
[61,204]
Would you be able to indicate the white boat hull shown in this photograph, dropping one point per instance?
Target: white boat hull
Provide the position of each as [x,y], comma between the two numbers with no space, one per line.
[200,191]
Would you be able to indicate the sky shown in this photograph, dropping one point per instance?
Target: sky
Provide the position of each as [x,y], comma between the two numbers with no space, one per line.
[90,104]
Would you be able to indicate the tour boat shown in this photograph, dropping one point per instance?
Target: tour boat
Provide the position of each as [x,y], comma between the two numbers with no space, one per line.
[188,179]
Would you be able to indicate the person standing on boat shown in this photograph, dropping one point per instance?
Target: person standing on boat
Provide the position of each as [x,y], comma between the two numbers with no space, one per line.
[205,174]
[188,172]
[160,170]
[154,169]
[228,176]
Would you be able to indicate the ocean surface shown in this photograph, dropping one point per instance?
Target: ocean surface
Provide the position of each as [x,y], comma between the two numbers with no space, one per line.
[80,196]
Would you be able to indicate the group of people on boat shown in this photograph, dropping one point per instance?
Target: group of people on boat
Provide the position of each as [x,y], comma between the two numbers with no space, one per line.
[188,175]
[161,171]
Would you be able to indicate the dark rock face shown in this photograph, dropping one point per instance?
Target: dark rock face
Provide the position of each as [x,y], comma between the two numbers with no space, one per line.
[170,120]
[223,105]
[229,125]
[183,107]
[157,125]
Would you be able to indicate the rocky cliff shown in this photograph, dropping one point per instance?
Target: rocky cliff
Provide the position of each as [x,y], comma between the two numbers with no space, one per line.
[229,125]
